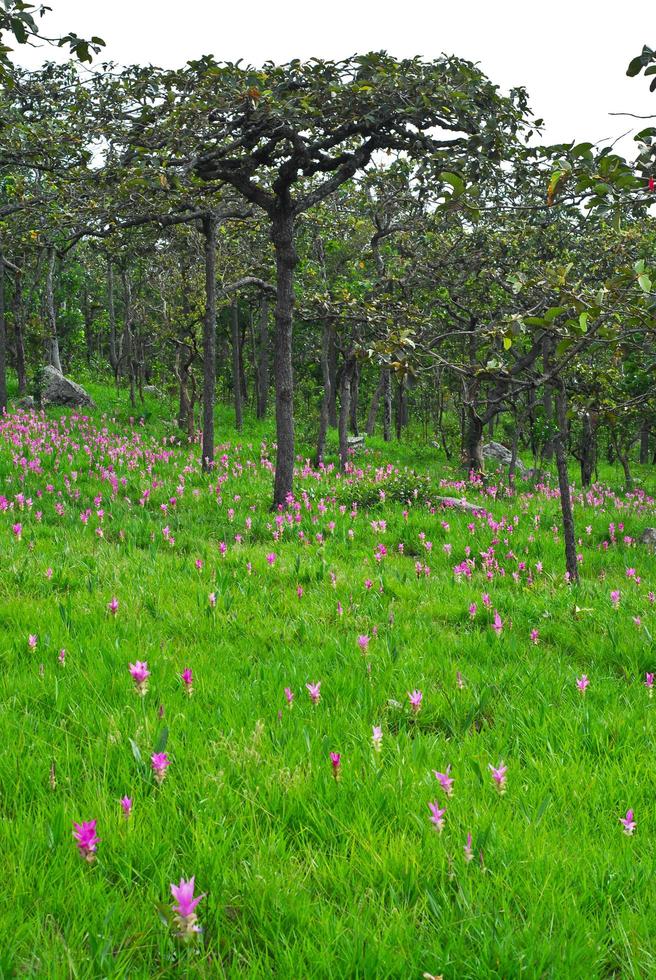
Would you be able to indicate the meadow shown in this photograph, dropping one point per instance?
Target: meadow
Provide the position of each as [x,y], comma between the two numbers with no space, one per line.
[308,672]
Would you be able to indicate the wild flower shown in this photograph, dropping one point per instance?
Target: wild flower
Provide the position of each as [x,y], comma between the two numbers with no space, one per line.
[649,683]
[582,683]
[437,816]
[187,677]
[377,737]
[186,920]
[535,636]
[415,698]
[628,823]
[160,762]
[499,776]
[126,806]
[112,606]
[140,675]
[86,839]
[497,625]
[445,780]
[289,694]
[469,854]
[363,642]
[32,641]
[314,690]
[336,762]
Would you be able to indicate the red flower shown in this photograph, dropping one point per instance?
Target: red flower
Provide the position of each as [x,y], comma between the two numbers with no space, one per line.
[652,184]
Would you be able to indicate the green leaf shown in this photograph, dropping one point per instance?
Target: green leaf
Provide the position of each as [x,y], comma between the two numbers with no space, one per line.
[507,343]
[162,739]
[635,67]
[136,752]
[644,282]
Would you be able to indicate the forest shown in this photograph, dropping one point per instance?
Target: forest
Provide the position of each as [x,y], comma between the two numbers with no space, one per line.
[322,372]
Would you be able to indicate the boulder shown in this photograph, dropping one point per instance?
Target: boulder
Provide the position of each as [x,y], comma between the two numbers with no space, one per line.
[459,503]
[25,403]
[648,537]
[152,390]
[58,390]
[500,454]
[355,442]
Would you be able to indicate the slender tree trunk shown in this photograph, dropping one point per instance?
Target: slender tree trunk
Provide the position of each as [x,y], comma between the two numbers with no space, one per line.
[88,325]
[111,311]
[474,442]
[282,234]
[373,408]
[387,404]
[345,408]
[560,448]
[513,453]
[401,408]
[355,395]
[3,340]
[19,341]
[209,339]
[53,340]
[332,367]
[645,429]
[236,366]
[327,334]
[128,340]
[263,359]
[547,399]
[588,449]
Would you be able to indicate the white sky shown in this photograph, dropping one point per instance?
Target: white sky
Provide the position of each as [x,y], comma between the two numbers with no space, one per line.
[571,57]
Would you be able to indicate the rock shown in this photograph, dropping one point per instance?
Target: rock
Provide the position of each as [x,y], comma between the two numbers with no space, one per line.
[648,537]
[25,403]
[459,503]
[152,390]
[355,442]
[58,390]
[500,454]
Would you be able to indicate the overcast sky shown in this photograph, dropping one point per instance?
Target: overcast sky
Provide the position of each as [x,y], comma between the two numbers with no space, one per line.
[571,57]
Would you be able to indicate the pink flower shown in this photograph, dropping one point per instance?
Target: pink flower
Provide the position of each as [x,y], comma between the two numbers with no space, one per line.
[445,780]
[86,839]
[499,776]
[271,558]
[32,641]
[212,599]
[377,738]
[363,642]
[314,690]
[460,681]
[335,761]
[126,806]
[628,822]
[160,761]
[187,677]
[535,636]
[469,854]
[61,657]
[415,697]
[472,610]
[615,597]
[140,675]
[649,683]
[289,694]
[112,606]
[497,625]
[582,683]
[18,531]
[186,919]
[437,816]
[299,591]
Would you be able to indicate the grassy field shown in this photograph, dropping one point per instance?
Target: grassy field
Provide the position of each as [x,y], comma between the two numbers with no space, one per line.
[368,587]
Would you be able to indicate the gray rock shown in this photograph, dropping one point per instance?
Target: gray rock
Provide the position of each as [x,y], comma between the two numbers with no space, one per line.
[458,503]
[26,402]
[355,442]
[648,537]
[58,390]
[500,454]
[152,390]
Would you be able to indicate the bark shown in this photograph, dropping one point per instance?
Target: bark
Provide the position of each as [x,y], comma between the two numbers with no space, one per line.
[547,399]
[282,235]
[401,408]
[111,311]
[3,340]
[588,449]
[88,325]
[324,412]
[209,339]
[127,352]
[387,404]
[560,449]
[332,367]
[236,365]
[355,393]
[263,359]
[345,407]
[19,341]
[645,431]
[373,408]
[474,442]
[53,340]
[513,453]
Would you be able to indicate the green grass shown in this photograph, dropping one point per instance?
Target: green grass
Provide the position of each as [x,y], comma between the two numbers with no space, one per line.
[304,875]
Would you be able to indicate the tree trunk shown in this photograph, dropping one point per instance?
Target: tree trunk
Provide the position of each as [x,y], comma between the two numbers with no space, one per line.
[355,392]
[263,359]
[236,364]
[53,340]
[387,404]
[345,408]
[513,453]
[127,345]
[111,311]
[19,341]
[373,408]
[645,429]
[560,448]
[209,339]
[547,399]
[282,235]
[87,312]
[588,450]
[474,442]
[401,407]
[332,367]
[3,341]
[324,412]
